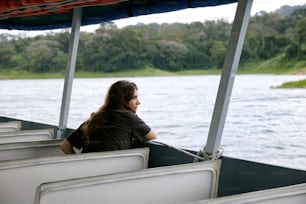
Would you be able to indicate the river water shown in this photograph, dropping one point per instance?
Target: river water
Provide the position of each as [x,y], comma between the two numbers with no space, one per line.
[263,124]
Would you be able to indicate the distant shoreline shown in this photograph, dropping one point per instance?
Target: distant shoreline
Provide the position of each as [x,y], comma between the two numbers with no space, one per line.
[21,74]
[146,72]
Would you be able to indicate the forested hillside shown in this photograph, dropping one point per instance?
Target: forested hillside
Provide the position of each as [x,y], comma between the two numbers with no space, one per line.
[171,47]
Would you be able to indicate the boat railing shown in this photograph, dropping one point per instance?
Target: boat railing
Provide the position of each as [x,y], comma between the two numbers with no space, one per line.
[290,194]
[28,150]
[11,126]
[171,184]
[27,135]
[20,178]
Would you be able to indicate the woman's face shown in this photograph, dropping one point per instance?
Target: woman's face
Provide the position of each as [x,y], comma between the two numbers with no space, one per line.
[134,102]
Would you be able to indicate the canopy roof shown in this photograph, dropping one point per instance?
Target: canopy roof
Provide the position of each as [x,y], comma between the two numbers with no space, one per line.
[51,14]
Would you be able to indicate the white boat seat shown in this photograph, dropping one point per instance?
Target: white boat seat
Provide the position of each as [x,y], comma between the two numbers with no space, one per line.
[11,126]
[295,194]
[27,150]
[19,179]
[171,184]
[27,136]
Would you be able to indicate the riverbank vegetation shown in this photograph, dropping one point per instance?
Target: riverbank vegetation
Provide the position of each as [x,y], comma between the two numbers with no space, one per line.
[293,84]
[275,44]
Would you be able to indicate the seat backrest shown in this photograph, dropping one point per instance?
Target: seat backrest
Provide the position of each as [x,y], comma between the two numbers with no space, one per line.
[171,184]
[27,136]
[11,126]
[284,195]
[27,150]
[20,178]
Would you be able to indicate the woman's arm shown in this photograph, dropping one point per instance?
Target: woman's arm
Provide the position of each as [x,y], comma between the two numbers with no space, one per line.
[67,148]
[150,136]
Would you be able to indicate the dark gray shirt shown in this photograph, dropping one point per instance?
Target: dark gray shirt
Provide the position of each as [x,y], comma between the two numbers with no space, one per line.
[115,134]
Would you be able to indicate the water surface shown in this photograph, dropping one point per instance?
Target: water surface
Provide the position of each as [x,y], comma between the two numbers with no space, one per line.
[263,124]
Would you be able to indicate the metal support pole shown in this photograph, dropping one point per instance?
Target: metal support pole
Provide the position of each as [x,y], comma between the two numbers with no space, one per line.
[70,69]
[229,70]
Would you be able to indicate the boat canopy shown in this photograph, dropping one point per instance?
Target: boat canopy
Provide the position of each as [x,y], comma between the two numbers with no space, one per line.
[54,14]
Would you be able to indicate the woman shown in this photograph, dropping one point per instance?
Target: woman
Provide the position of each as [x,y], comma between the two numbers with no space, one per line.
[115,126]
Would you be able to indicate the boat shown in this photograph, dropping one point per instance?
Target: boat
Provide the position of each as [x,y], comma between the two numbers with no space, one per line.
[237,179]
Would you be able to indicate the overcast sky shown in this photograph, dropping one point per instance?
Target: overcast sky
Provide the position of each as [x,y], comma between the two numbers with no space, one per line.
[226,12]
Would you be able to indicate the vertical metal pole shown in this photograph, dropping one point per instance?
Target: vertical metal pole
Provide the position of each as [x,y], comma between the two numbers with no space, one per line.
[70,69]
[229,70]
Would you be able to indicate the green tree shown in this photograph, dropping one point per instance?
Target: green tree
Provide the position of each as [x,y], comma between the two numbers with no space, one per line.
[301,37]
[43,55]
[266,37]
[6,56]
[91,58]
[217,53]
[170,55]
[128,50]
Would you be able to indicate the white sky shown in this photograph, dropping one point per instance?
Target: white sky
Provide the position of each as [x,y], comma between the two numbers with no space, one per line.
[226,12]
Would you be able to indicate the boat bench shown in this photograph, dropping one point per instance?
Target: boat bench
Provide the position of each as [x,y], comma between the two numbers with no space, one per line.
[12,126]
[27,136]
[19,179]
[27,150]
[290,194]
[171,184]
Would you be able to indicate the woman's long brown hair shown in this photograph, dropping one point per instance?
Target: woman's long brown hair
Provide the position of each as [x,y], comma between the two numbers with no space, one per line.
[117,99]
